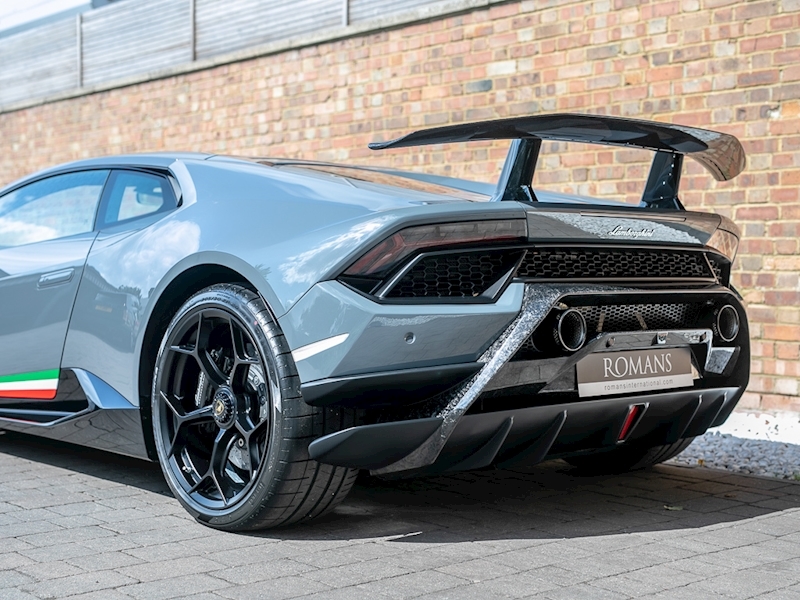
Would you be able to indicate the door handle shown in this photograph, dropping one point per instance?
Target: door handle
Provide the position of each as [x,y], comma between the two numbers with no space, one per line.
[55,278]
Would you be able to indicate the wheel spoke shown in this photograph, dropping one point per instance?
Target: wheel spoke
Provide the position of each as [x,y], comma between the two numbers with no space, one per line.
[239,378]
[247,427]
[201,414]
[198,485]
[219,456]
[244,429]
[238,375]
[178,412]
[238,339]
[219,488]
[212,372]
[184,418]
[173,442]
[253,456]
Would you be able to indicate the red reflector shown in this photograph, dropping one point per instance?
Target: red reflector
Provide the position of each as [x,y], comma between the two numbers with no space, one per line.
[630,420]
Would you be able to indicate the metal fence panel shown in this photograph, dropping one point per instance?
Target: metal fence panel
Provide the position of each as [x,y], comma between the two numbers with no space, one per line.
[39,62]
[135,37]
[367,10]
[226,26]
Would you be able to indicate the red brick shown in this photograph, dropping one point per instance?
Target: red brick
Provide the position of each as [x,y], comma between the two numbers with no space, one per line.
[753,10]
[784,298]
[787,351]
[749,401]
[758,78]
[786,57]
[775,402]
[757,213]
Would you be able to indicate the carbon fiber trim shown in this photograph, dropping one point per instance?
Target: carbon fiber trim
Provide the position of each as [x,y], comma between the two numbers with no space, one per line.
[536,304]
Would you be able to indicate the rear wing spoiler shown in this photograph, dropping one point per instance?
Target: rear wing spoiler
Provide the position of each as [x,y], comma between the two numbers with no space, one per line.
[721,154]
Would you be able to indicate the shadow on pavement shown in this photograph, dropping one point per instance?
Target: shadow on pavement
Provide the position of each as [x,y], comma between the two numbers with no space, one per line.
[96,463]
[545,502]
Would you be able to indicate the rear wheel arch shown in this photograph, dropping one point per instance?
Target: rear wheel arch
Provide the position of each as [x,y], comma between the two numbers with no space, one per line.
[178,291]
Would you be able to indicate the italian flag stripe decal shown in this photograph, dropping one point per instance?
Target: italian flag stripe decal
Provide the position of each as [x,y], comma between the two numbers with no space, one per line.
[38,385]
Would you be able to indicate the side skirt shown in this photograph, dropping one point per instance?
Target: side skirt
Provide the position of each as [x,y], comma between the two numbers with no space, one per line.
[86,411]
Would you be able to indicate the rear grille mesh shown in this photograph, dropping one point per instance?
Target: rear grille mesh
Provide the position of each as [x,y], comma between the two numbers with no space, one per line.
[464,275]
[719,269]
[470,273]
[639,317]
[615,318]
[612,263]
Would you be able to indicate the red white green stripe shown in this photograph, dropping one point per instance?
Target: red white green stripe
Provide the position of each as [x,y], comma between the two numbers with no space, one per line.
[38,385]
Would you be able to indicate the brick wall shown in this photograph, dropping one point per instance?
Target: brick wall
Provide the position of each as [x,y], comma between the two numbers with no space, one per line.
[722,64]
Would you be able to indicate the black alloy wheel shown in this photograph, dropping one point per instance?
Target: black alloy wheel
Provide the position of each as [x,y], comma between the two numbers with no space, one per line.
[227,432]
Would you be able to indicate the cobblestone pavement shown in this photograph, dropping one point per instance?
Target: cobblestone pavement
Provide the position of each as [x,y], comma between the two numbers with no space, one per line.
[83,524]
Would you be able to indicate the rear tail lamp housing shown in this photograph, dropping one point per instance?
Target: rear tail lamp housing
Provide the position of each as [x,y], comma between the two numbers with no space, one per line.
[383,265]
[725,239]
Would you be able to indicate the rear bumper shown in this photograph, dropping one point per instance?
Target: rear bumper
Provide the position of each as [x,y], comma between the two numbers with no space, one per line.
[516,411]
[530,435]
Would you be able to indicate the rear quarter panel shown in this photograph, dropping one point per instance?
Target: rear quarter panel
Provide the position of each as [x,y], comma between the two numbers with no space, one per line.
[280,231]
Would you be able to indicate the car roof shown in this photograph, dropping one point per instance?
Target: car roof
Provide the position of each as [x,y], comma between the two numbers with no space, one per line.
[149,159]
[155,159]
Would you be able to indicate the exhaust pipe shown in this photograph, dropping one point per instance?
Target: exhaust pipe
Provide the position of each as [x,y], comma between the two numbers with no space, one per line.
[570,330]
[726,324]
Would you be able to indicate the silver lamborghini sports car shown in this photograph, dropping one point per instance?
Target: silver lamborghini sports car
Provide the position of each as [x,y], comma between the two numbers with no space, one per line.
[265,329]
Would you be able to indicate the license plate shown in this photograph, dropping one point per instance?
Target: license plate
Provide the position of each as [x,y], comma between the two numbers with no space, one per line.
[636,371]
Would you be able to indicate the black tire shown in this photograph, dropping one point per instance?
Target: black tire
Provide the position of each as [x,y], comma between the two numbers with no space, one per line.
[230,425]
[627,458]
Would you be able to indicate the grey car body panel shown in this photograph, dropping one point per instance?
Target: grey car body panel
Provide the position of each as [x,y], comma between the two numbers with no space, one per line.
[35,306]
[304,227]
[377,334]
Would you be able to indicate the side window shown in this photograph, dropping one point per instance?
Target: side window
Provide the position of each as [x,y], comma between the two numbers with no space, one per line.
[134,194]
[50,208]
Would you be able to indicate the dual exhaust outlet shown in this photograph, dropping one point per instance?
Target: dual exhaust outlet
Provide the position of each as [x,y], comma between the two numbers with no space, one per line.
[570,330]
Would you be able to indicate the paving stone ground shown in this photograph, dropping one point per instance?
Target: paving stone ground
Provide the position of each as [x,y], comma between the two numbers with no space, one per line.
[83,524]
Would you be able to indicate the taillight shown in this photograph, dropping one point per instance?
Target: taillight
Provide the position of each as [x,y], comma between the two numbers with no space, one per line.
[725,239]
[392,251]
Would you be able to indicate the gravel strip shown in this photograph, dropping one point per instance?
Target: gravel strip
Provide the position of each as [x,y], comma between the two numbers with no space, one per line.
[741,455]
